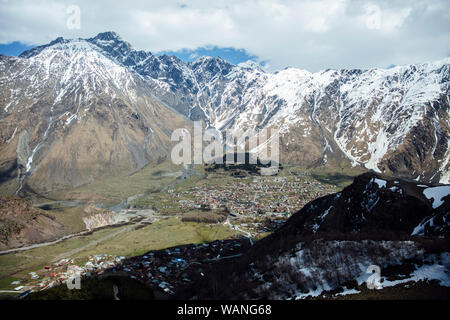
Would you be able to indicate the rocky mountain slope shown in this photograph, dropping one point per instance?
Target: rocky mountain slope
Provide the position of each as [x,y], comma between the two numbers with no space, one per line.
[97,105]
[391,121]
[70,114]
[373,205]
[22,224]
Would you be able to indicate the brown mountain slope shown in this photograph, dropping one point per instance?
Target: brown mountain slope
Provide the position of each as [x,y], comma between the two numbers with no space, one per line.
[22,224]
[72,115]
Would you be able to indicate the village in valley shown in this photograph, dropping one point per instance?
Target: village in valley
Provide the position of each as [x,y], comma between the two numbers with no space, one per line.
[166,270]
[251,206]
[256,204]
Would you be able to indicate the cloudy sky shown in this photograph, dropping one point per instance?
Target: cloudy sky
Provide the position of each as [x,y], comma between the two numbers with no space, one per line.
[312,35]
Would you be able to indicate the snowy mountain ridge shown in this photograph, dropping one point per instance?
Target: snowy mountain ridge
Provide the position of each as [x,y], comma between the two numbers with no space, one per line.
[394,121]
[366,115]
[85,115]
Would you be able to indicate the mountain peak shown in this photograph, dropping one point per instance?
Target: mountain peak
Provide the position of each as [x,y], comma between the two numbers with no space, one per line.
[252,65]
[107,36]
[109,39]
[58,40]
[122,51]
[36,50]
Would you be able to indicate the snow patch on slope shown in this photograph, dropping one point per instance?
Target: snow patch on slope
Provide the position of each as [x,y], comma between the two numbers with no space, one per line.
[437,194]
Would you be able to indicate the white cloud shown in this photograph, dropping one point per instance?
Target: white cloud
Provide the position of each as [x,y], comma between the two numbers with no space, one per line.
[311,34]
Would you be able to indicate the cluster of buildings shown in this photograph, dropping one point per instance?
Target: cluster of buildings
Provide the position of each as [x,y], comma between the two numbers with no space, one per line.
[166,270]
[256,205]
[59,272]
[259,205]
[171,269]
[278,195]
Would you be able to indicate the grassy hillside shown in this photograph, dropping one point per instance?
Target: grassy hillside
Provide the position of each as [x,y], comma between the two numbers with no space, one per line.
[112,189]
[163,234]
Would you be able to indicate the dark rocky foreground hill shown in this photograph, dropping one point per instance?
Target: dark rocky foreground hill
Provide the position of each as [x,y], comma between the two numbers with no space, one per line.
[399,225]
[375,207]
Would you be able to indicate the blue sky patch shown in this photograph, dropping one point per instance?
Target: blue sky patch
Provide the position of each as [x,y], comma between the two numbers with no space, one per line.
[13,49]
[232,55]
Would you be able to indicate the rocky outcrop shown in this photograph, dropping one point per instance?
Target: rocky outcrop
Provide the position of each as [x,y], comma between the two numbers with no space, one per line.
[376,206]
[96,217]
[21,224]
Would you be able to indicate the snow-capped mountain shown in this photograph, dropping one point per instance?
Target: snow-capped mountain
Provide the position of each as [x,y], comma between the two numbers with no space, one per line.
[393,121]
[69,113]
[116,104]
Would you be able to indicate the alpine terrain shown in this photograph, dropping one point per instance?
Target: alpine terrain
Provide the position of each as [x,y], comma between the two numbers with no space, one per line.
[74,110]
[88,188]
